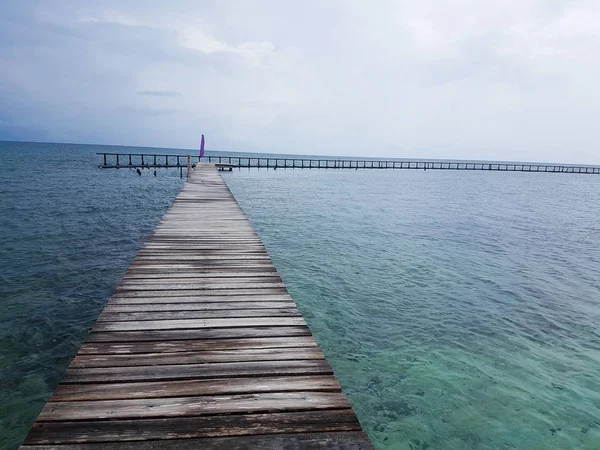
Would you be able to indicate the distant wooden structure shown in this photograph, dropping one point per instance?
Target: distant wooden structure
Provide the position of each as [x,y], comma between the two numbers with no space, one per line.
[145,160]
[201,346]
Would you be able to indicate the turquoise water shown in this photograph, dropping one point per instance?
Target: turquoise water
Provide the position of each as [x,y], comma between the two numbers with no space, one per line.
[68,232]
[460,310]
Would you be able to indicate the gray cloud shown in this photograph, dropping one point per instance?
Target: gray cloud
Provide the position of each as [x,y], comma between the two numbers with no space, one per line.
[513,81]
[159,93]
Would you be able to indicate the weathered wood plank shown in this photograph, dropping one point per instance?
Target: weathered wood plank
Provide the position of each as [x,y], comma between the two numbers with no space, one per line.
[196,306]
[343,440]
[193,427]
[191,371]
[204,297]
[157,245]
[243,276]
[204,292]
[182,252]
[179,268]
[198,357]
[199,240]
[203,314]
[180,324]
[202,264]
[191,280]
[207,258]
[207,333]
[100,348]
[202,230]
[187,232]
[199,285]
[188,388]
[192,406]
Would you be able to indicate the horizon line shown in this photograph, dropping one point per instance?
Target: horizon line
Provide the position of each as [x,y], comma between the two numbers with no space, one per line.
[331,157]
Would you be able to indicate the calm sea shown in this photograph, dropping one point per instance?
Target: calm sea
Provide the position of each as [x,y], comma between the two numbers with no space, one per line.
[460,310]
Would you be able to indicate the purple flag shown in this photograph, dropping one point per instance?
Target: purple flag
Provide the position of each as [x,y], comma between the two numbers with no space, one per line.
[202,147]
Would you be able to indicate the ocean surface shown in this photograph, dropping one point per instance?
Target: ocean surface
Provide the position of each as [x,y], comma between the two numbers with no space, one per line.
[460,310]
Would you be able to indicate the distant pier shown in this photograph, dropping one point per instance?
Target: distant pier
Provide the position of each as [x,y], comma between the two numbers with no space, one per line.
[147,160]
[200,347]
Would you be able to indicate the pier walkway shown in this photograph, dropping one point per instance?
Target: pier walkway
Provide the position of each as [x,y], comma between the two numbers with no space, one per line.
[201,346]
[153,161]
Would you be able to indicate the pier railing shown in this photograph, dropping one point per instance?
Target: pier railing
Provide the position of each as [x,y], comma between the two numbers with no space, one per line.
[150,160]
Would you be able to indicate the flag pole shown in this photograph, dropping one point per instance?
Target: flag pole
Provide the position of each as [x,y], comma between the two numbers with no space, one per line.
[201,148]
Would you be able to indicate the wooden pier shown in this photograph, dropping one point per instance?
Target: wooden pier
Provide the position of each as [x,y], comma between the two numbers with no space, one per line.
[201,346]
[149,161]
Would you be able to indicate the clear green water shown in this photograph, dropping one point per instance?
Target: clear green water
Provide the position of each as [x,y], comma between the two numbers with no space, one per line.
[68,232]
[460,310]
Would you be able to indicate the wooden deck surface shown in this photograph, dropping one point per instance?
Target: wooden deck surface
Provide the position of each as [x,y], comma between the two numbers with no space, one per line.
[201,346]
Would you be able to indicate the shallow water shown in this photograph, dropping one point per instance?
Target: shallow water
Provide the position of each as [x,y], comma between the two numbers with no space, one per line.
[460,310]
[68,231]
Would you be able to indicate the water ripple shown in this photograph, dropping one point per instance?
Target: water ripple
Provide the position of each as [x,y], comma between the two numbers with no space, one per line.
[69,232]
[459,310]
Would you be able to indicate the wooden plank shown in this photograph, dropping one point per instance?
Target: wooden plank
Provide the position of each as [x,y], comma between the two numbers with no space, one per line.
[203,292]
[197,371]
[186,231]
[207,242]
[193,427]
[204,297]
[203,314]
[196,357]
[164,274]
[180,324]
[197,286]
[207,258]
[197,267]
[190,280]
[188,388]
[100,348]
[200,240]
[192,406]
[343,440]
[194,227]
[204,306]
[175,269]
[202,263]
[157,245]
[207,252]
[208,333]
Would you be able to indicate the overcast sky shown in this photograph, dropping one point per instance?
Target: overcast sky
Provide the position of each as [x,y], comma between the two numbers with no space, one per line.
[469,79]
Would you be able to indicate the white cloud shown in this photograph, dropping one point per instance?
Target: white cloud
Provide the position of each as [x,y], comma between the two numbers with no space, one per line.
[198,40]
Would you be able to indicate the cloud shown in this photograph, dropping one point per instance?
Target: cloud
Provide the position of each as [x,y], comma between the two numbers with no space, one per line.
[513,80]
[159,93]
